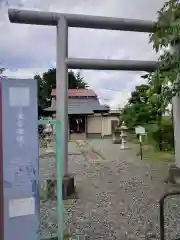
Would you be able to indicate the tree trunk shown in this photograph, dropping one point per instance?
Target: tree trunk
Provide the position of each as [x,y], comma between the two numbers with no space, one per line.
[159,121]
[172,126]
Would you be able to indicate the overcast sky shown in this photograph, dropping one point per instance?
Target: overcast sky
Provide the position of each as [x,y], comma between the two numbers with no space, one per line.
[26,50]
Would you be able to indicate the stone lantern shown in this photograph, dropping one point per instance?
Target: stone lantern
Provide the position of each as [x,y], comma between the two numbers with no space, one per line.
[48,131]
[123,136]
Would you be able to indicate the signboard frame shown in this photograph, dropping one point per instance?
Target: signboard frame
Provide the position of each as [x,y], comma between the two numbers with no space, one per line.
[140,130]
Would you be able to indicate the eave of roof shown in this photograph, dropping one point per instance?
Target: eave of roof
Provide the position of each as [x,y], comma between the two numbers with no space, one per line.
[82,106]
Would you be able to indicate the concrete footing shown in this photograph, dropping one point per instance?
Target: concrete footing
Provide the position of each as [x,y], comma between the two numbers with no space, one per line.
[68,187]
[117,141]
[173,175]
[49,188]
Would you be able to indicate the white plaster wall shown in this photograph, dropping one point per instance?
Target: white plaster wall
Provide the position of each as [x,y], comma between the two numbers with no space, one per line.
[100,124]
[94,124]
[107,124]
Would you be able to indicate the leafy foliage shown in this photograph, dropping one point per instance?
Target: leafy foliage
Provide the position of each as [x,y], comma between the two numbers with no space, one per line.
[165,133]
[167,34]
[48,81]
[139,95]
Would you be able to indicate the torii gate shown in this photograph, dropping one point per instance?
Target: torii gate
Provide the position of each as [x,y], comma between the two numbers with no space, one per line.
[62,21]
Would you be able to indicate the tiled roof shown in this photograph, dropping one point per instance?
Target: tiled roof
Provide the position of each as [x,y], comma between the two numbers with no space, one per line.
[81,106]
[77,93]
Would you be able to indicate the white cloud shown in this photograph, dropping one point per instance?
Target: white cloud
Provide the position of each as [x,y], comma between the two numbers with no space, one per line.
[119,99]
[32,48]
[23,73]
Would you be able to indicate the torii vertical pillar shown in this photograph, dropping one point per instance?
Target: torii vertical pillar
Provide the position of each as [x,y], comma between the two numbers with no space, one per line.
[176,118]
[62,101]
[176,122]
[174,170]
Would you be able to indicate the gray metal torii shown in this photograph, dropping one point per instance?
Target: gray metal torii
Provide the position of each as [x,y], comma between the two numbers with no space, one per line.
[62,21]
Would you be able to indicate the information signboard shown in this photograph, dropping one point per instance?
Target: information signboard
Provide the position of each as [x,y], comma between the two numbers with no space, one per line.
[19,115]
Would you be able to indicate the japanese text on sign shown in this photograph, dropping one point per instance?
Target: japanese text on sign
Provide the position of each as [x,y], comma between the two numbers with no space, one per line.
[20,129]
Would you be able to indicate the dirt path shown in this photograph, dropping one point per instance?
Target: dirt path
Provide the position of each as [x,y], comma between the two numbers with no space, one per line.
[117,196]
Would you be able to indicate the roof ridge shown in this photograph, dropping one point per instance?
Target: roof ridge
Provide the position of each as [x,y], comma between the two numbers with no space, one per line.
[77,92]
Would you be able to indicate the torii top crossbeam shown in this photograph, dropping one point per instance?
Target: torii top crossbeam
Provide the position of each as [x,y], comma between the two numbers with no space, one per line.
[95,22]
[80,21]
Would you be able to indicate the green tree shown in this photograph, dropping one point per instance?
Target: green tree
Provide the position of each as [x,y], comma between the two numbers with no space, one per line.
[158,101]
[139,95]
[78,83]
[48,81]
[1,71]
[139,110]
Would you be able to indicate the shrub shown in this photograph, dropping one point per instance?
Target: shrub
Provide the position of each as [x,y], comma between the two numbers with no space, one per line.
[165,133]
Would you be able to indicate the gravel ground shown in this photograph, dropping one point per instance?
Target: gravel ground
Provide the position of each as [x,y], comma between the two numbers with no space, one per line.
[117,194]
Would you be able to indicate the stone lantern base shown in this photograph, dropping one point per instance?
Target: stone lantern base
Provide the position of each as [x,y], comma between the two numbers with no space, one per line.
[117,141]
[124,145]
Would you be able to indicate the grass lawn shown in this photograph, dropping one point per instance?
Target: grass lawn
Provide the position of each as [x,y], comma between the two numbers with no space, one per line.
[149,153]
